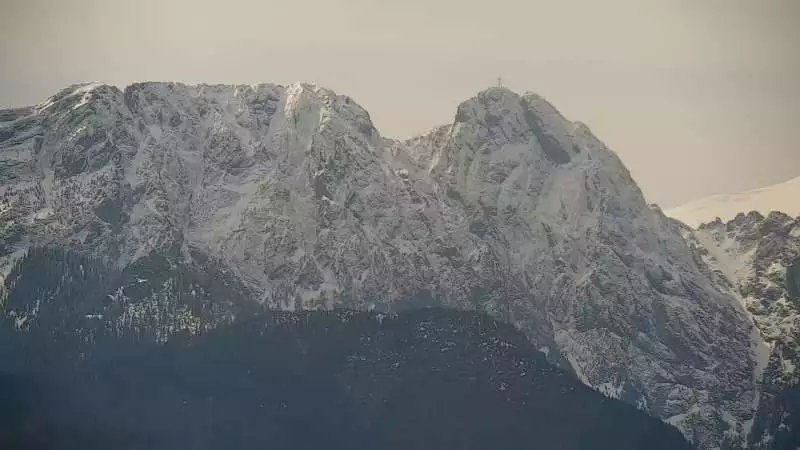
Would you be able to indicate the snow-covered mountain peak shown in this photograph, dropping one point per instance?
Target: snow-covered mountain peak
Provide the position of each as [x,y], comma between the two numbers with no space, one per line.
[497,105]
[494,95]
[328,110]
[512,209]
[489,106]
[73,96]
[299,95]
[514,162]
[497,127]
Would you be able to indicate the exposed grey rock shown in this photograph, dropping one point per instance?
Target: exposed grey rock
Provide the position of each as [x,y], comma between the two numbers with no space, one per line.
[758,258]
[512,210]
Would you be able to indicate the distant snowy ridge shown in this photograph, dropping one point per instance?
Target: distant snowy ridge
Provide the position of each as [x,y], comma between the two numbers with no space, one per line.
[779,197]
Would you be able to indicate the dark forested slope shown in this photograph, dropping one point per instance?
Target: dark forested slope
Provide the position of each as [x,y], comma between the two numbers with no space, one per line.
[424,379]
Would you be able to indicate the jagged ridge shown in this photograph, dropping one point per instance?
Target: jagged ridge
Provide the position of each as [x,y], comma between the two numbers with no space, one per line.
[758,258]
[512,210]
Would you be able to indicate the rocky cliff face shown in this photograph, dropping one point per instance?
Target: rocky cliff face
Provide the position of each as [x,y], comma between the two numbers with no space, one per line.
[758,257]
[291,191]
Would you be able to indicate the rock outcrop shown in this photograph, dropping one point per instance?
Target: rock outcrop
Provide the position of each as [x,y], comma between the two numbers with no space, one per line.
[511,210]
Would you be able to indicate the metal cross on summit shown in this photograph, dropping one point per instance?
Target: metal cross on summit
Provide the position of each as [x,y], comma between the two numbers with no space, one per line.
[499,81]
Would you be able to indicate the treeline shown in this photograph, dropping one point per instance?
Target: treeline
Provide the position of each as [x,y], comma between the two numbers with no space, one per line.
[425,379]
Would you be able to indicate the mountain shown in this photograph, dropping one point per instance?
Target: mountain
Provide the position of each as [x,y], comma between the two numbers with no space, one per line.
[293,380]
[781,197]
[758,258]
[287,197]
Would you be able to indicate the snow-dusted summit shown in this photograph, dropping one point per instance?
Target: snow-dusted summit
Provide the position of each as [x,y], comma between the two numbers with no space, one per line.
[299,202]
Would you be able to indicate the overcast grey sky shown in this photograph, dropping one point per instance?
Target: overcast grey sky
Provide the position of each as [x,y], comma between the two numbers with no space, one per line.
[696,96]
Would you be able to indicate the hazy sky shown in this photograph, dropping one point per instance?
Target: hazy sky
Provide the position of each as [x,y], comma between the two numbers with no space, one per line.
[696,96]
